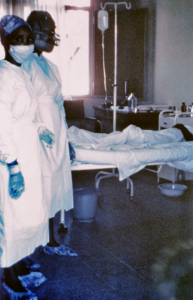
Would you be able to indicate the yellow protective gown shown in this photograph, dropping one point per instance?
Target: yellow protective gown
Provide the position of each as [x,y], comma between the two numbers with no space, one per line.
[55,161]
[24,221]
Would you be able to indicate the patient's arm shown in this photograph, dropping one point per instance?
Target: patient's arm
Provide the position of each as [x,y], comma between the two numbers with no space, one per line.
[187,135]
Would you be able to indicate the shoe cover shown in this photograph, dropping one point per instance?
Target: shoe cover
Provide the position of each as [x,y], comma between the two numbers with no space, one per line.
[61,250]
[11,295]
[34,279]
[30,263]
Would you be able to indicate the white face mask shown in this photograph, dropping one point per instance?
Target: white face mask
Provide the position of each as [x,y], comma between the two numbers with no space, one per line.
[43,46]
[21,53]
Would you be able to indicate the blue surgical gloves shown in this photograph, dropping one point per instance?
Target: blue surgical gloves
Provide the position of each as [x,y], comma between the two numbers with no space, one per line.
[47,136]
[16,181]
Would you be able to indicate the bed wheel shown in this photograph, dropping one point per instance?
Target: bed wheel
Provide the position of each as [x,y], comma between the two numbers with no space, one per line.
[128,191]
[131,198]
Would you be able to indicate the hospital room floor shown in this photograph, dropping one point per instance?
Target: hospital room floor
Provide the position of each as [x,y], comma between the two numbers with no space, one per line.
[118,252]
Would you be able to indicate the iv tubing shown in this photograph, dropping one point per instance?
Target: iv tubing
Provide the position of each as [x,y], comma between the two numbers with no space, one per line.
[104,71]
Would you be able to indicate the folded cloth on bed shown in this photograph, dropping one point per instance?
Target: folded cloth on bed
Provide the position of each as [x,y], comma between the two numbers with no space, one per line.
[132,149]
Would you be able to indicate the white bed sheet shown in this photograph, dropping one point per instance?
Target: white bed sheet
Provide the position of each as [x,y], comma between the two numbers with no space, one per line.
[132,149]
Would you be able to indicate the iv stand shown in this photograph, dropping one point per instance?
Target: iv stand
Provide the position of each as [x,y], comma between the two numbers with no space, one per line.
[115,57]
[102,174]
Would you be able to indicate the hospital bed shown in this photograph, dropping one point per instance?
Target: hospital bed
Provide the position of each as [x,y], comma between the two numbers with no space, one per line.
[129,159]
[167,119]
[175,158]
[129,151]
[178,155]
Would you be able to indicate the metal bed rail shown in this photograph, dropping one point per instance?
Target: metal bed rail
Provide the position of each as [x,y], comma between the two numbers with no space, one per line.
[103,174]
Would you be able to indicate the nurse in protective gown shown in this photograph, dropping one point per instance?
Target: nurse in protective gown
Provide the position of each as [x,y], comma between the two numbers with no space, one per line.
[23,209]
[47,85]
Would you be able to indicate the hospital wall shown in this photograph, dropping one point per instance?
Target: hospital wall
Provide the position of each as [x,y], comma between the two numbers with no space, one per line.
[172,63]
[150,41]
[174,52]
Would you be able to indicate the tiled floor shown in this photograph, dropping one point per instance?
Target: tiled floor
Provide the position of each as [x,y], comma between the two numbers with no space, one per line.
[117,252]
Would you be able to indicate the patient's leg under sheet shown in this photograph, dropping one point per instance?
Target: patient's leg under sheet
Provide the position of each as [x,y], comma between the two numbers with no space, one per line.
[165,136]
[131,135]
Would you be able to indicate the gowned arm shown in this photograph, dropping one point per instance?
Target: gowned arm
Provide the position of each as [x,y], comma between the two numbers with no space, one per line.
[8,149]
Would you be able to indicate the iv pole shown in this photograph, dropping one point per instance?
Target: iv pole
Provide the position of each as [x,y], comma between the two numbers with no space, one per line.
[102,174]
[115,56]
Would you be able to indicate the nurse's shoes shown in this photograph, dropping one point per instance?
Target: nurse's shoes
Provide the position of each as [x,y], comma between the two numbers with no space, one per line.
[61,250]
[8,293]
[30,263]
[32,280]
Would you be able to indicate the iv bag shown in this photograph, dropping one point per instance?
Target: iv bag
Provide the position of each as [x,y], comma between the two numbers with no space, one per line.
[103,20]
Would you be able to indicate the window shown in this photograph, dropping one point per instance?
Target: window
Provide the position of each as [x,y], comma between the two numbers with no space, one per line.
[77,24]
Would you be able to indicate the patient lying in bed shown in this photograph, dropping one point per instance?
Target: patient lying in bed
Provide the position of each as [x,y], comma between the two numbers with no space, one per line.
[133,148]
[130,136]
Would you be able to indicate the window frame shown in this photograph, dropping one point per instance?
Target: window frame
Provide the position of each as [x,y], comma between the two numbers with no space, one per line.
[91,45]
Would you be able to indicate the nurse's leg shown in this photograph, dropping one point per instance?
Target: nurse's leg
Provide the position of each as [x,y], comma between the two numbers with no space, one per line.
[11,276]
[1,283]
[52,241]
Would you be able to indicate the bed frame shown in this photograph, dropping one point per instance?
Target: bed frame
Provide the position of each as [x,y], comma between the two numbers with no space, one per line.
[104,174]
[99,176]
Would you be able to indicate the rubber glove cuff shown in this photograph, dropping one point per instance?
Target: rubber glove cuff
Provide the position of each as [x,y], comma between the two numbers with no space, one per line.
[14,169]
[47,136]
[41,129]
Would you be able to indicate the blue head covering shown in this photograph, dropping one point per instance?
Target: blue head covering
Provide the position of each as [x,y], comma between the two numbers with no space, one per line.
[9,23]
